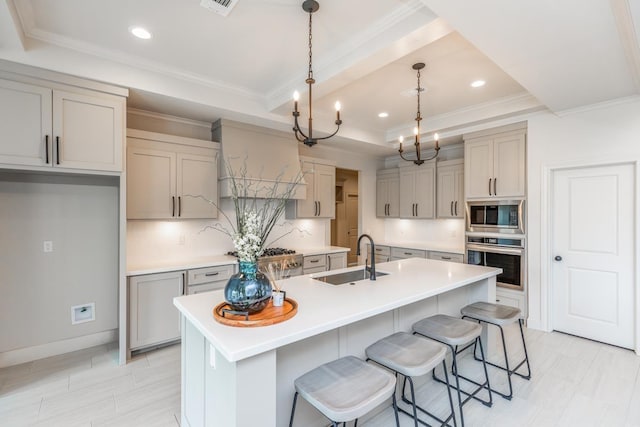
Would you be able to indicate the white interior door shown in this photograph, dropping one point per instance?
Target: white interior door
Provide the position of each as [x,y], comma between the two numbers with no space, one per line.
[593,249]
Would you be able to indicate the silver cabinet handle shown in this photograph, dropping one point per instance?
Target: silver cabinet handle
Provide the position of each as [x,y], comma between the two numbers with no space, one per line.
[212,274]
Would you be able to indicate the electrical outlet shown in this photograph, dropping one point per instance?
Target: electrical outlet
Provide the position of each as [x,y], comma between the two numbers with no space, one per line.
[47,246]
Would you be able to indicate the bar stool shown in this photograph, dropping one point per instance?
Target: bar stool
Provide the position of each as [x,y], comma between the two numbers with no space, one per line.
[455,332]
[345,389]
[499,315]
[411,356]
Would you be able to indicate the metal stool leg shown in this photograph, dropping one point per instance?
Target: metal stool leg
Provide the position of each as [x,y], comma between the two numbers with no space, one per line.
[293,408]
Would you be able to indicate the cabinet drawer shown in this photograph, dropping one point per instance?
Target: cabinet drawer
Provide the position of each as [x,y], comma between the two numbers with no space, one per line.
[446,256]
[511,298]
[314,270]
[407,253]
[381,250]
[314,261]
[209,274]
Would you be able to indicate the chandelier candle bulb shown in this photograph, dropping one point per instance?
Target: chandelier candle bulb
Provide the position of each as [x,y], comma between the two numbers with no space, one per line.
[296,97]
[435,137]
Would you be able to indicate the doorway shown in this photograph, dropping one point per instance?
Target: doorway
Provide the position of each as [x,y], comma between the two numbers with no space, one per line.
[593,252]
[344,228]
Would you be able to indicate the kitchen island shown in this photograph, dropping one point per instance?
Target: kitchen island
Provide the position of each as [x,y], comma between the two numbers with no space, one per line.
[244,376]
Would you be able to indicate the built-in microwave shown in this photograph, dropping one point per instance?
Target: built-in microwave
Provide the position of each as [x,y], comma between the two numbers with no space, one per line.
[496,216]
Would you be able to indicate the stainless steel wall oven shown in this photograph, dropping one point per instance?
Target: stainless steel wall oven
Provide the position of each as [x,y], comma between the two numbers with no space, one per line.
[507,253]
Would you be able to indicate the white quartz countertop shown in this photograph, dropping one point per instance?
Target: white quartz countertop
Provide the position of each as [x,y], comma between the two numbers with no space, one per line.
[323,307]
[154,266]
[424,246]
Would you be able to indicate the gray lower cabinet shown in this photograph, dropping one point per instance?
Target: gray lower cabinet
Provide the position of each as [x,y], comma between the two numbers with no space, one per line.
[208,279]
[153,319]
[446,256]
[404,253]
[314,264]
[336,261]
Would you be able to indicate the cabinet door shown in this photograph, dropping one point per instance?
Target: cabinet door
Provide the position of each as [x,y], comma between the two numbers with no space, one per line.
[447,192]
[88,131]
[336,261]
[153,318]
[407,194]
[197,186]
[307,208]
[425,192]
[478,168]
[393,186]
[151,184]
[325,183]
[509,165]
[25,123]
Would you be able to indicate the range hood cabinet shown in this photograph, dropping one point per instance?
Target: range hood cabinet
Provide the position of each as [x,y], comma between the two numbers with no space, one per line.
[269,157]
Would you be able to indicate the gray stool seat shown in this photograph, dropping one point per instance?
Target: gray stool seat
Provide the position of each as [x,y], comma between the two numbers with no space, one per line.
[497,314]
[407,354]
[449,330]
[411,356]
[346,388]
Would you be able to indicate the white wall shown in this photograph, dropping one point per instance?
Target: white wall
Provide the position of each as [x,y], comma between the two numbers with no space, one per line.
[609,133]
[79,215]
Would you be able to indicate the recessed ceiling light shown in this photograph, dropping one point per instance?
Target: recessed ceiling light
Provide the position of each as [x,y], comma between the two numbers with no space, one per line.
[383,115]
[478,83]
[140,33]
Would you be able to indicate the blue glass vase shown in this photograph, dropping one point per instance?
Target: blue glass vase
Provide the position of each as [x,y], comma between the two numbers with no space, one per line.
[249,290]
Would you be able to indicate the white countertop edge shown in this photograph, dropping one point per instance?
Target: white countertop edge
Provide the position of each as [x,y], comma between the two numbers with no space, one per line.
[163,267]
[249,351]
[324,250]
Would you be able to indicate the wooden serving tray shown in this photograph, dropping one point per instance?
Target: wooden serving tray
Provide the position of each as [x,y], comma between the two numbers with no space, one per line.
[270,315]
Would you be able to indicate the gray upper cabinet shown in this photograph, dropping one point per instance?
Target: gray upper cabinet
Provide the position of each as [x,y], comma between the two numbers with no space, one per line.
[495,165]
[418,191]
[171,177]
[450,194]
[388,193]
[64,128]
[321,192]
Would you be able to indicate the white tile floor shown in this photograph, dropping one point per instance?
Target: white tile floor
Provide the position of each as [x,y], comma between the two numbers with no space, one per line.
[575,382]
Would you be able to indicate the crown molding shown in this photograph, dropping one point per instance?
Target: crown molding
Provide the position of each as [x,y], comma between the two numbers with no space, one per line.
[598,105]
[628,37]
[168,117]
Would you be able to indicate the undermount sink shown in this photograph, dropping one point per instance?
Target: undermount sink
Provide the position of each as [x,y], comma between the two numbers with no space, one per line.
[348,277]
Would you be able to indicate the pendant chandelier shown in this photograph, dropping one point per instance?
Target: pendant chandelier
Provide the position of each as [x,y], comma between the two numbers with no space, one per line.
[310,6]
[416,131]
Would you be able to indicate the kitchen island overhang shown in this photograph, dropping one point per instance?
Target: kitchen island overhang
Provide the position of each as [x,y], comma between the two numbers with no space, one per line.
[332,321]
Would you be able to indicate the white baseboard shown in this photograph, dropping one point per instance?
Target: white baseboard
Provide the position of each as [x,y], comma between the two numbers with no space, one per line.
[28,354]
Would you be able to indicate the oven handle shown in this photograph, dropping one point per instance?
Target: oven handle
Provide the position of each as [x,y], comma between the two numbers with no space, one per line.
[495,249]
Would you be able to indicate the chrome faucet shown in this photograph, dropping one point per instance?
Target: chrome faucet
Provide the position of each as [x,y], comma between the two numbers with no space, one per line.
[372,269]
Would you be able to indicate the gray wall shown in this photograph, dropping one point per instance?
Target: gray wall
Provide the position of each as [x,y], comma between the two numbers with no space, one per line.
[80,216]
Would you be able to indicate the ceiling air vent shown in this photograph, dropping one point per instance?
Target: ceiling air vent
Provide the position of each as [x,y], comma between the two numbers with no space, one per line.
[221,7]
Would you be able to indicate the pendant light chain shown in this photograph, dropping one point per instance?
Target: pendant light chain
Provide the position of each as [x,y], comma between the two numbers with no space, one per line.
[310,45]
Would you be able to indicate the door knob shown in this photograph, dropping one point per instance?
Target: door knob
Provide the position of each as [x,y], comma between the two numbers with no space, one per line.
[558,258]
